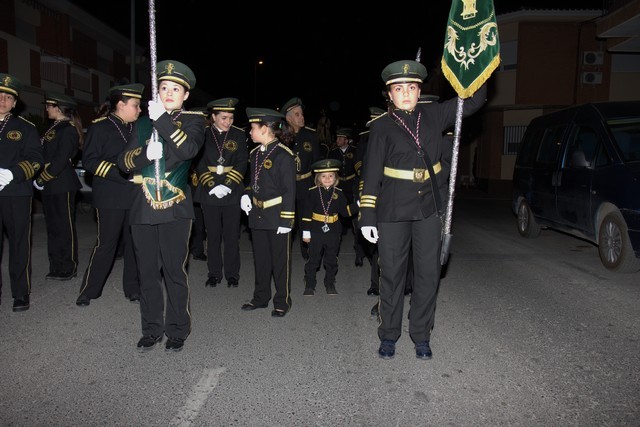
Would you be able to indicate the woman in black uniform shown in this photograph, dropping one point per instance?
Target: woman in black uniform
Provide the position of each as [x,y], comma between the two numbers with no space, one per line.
[161,218]
[270,202]
[59,184]
[112,193]
[402,166]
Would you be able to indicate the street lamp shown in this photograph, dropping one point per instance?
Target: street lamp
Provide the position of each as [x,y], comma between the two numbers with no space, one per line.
[255,81]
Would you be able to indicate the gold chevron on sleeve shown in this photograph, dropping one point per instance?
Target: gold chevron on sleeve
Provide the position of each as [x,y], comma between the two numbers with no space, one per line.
[103,168]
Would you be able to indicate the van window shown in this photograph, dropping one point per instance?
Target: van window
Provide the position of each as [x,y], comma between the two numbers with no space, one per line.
[626,134]
[550,146]
[581,148]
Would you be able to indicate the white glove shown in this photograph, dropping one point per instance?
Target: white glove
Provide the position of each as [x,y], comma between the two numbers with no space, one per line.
[224,190]
[245,203]
[358,203]
[306,234]
[216,191]
[283,230]
[156,109]
[6,176]
[1,187]
[39,187]
[370,233]
[154,150]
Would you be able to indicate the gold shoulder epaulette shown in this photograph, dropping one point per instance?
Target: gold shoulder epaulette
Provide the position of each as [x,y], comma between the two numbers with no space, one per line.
[287,149]
[254,149]
[26,120]
[99,119]
[363,132]
[197,113]
[338,189]
[311,129]
[234,126]
[313,188]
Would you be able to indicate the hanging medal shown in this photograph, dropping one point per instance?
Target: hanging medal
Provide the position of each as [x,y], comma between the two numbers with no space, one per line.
[220,166]
[325,209]
[257,169]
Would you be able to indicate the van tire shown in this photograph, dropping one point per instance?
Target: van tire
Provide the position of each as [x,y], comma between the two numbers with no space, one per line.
[527,225]
[614,247]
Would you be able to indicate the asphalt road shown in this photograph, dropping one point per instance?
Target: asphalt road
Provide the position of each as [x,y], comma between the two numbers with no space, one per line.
[528,333]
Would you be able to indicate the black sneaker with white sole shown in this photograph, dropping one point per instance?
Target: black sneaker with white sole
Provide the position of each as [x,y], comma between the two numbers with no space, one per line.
[148,342]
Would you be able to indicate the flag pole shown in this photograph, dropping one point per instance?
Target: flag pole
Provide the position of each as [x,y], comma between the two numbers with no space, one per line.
[471,54]
[154,89]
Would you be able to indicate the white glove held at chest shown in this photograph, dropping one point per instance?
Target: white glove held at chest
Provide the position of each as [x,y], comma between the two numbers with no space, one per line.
[6,176]
[245,204]
[39,187]
[154,150]
[283,230]
[370,233]
[156,109]
[220,191]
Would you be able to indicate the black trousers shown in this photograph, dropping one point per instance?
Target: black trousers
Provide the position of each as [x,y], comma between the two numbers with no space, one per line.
[323,248]
[15,220]
[272,258]
[396,240]
[223,231]
[62,239]
[113,225]
[198,231]
[371,252]
[162,252]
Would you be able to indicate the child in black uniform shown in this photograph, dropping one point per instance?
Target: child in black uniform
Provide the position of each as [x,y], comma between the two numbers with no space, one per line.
[321,226]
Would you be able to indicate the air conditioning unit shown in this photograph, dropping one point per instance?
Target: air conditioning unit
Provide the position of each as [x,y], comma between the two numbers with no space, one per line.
[591,78]
[592,58]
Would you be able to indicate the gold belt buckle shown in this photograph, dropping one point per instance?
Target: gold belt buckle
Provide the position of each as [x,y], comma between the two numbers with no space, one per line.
[419,175]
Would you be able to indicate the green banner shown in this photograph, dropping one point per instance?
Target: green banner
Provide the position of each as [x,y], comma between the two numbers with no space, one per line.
[471,46]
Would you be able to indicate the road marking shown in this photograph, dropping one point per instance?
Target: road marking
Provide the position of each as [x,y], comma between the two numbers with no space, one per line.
[199,394]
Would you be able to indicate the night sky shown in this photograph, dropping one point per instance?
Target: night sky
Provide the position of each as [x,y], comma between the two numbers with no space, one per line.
[329,57]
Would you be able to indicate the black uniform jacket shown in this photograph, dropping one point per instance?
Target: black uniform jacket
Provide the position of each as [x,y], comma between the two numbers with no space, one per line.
[106,138]
[392,152]
[274,204]
[335,203]
[236,157]
[60,145]
[21,153]
[183,135]
[306,149]
[348,165]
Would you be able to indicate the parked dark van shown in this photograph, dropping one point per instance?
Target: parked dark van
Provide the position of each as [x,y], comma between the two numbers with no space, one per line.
[578,171]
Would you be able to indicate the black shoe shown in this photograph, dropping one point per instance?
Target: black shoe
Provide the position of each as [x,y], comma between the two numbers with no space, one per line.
[135,298]
[375,310]
[212,281]
[232,283]
[373,291]
[174,344]
[331,290]
[147,342]
[309,292]
[423,350]
[249,306]
[278,313]
[359,261]
[387,349]
[199,257]
[60,275]
[83,301]
[21,303]
[52,274]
